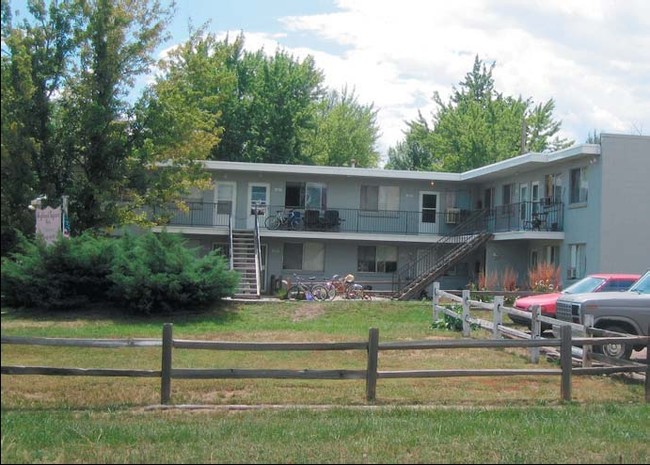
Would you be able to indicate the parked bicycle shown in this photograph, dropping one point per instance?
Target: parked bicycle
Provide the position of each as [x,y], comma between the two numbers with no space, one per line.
[303,290]
[282,220]
[345,288]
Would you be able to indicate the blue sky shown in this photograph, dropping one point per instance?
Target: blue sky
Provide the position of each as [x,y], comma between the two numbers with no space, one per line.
[592,57]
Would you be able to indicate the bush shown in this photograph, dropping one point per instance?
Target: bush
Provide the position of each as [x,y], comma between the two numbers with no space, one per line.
[68,274]
[157,273]
[544,278]
[148,274]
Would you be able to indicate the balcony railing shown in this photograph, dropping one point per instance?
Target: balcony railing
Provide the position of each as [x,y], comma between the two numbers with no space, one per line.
[522,216]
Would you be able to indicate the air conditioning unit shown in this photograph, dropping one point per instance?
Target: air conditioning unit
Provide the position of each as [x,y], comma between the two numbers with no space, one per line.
[453,214]
[572,273]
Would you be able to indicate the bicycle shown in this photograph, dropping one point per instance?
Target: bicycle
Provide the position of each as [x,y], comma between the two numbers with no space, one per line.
[301,290]
[346,288]
[282,220]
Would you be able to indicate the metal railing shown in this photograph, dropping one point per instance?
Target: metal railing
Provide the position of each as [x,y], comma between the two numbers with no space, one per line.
[521,216]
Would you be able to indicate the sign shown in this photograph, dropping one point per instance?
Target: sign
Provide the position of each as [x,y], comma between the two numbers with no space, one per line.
[48,223]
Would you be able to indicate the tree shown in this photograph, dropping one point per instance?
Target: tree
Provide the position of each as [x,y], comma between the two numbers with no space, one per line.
[35,63]
[408,155]
[116,40]
[479,126]
[344,130]
[271,106]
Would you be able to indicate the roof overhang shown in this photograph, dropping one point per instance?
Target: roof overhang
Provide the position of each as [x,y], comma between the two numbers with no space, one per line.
[501,169]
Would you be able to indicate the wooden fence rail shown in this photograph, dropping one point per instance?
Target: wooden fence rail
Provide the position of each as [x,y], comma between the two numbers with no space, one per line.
[371,373]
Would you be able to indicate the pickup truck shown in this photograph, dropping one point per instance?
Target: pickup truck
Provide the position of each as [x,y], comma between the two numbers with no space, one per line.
[622,312]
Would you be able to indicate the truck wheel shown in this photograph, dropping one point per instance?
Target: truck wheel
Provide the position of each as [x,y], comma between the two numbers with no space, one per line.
[616,350]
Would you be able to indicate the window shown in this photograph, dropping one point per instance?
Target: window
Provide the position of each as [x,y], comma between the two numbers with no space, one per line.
[309,256]
[577,261]
[579,187]
[553,187]
[310,195]
[378,259]
[553,255]
[379,198]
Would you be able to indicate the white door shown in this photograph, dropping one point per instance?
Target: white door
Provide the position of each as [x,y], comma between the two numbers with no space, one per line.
[224,199]
[429,212]
[258,201]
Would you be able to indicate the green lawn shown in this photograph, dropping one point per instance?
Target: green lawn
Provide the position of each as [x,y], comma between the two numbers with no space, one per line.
[520,419]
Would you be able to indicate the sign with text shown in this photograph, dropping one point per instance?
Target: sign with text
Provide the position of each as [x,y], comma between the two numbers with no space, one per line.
[48,223]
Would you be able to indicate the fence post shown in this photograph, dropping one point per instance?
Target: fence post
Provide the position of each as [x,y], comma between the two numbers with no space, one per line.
[371,373]
[497,316]
[586,349]
[466,326]
[166,371]
[536,329]
[435,301]
[647,368]
[566,361]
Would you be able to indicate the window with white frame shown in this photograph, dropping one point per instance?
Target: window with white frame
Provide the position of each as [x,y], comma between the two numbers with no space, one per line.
[309,256]
[579,188]
[577,261]
[377,259]
[379,198]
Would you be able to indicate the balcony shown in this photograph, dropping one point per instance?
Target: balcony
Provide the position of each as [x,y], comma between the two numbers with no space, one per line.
[523,216]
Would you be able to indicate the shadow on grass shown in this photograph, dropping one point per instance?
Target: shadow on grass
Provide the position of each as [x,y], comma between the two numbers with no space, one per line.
[220,312]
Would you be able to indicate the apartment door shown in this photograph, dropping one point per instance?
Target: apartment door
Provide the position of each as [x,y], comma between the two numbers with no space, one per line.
[224,199]
[429,212]
[258,201]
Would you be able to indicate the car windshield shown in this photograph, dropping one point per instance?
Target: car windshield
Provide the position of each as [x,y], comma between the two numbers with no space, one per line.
[642,286]
[587,284]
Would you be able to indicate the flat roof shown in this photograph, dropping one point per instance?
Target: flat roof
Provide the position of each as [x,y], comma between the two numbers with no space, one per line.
[502,168]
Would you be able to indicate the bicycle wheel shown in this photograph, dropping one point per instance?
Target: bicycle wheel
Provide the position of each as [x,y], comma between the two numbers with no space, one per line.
[272,222]
[319,292]
[331,290]
[296,292]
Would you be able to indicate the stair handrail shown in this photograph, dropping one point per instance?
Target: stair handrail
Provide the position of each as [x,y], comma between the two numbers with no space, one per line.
[470,226]
[232,242]
[258,255]
[447,260]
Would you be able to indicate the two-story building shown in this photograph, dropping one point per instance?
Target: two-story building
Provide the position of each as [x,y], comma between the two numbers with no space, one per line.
[585,209]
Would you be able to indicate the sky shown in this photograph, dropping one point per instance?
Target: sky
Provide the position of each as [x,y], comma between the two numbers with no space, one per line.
[592,57]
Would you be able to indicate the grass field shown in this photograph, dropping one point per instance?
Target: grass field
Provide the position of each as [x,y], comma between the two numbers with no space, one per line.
[519,419]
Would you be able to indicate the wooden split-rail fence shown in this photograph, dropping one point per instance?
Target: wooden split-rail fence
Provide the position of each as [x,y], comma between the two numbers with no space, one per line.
[371,374]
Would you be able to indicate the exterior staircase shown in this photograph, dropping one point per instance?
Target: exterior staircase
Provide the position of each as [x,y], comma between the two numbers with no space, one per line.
[435,267]
[243,262]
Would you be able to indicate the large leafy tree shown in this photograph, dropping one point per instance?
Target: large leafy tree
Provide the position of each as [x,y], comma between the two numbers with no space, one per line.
[116,43]
[266,108]
[266,114]
[35,60]
[344,131]
[476,127]
[67,124]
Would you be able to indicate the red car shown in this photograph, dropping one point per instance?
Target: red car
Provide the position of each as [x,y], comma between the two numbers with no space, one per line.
[600,282]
